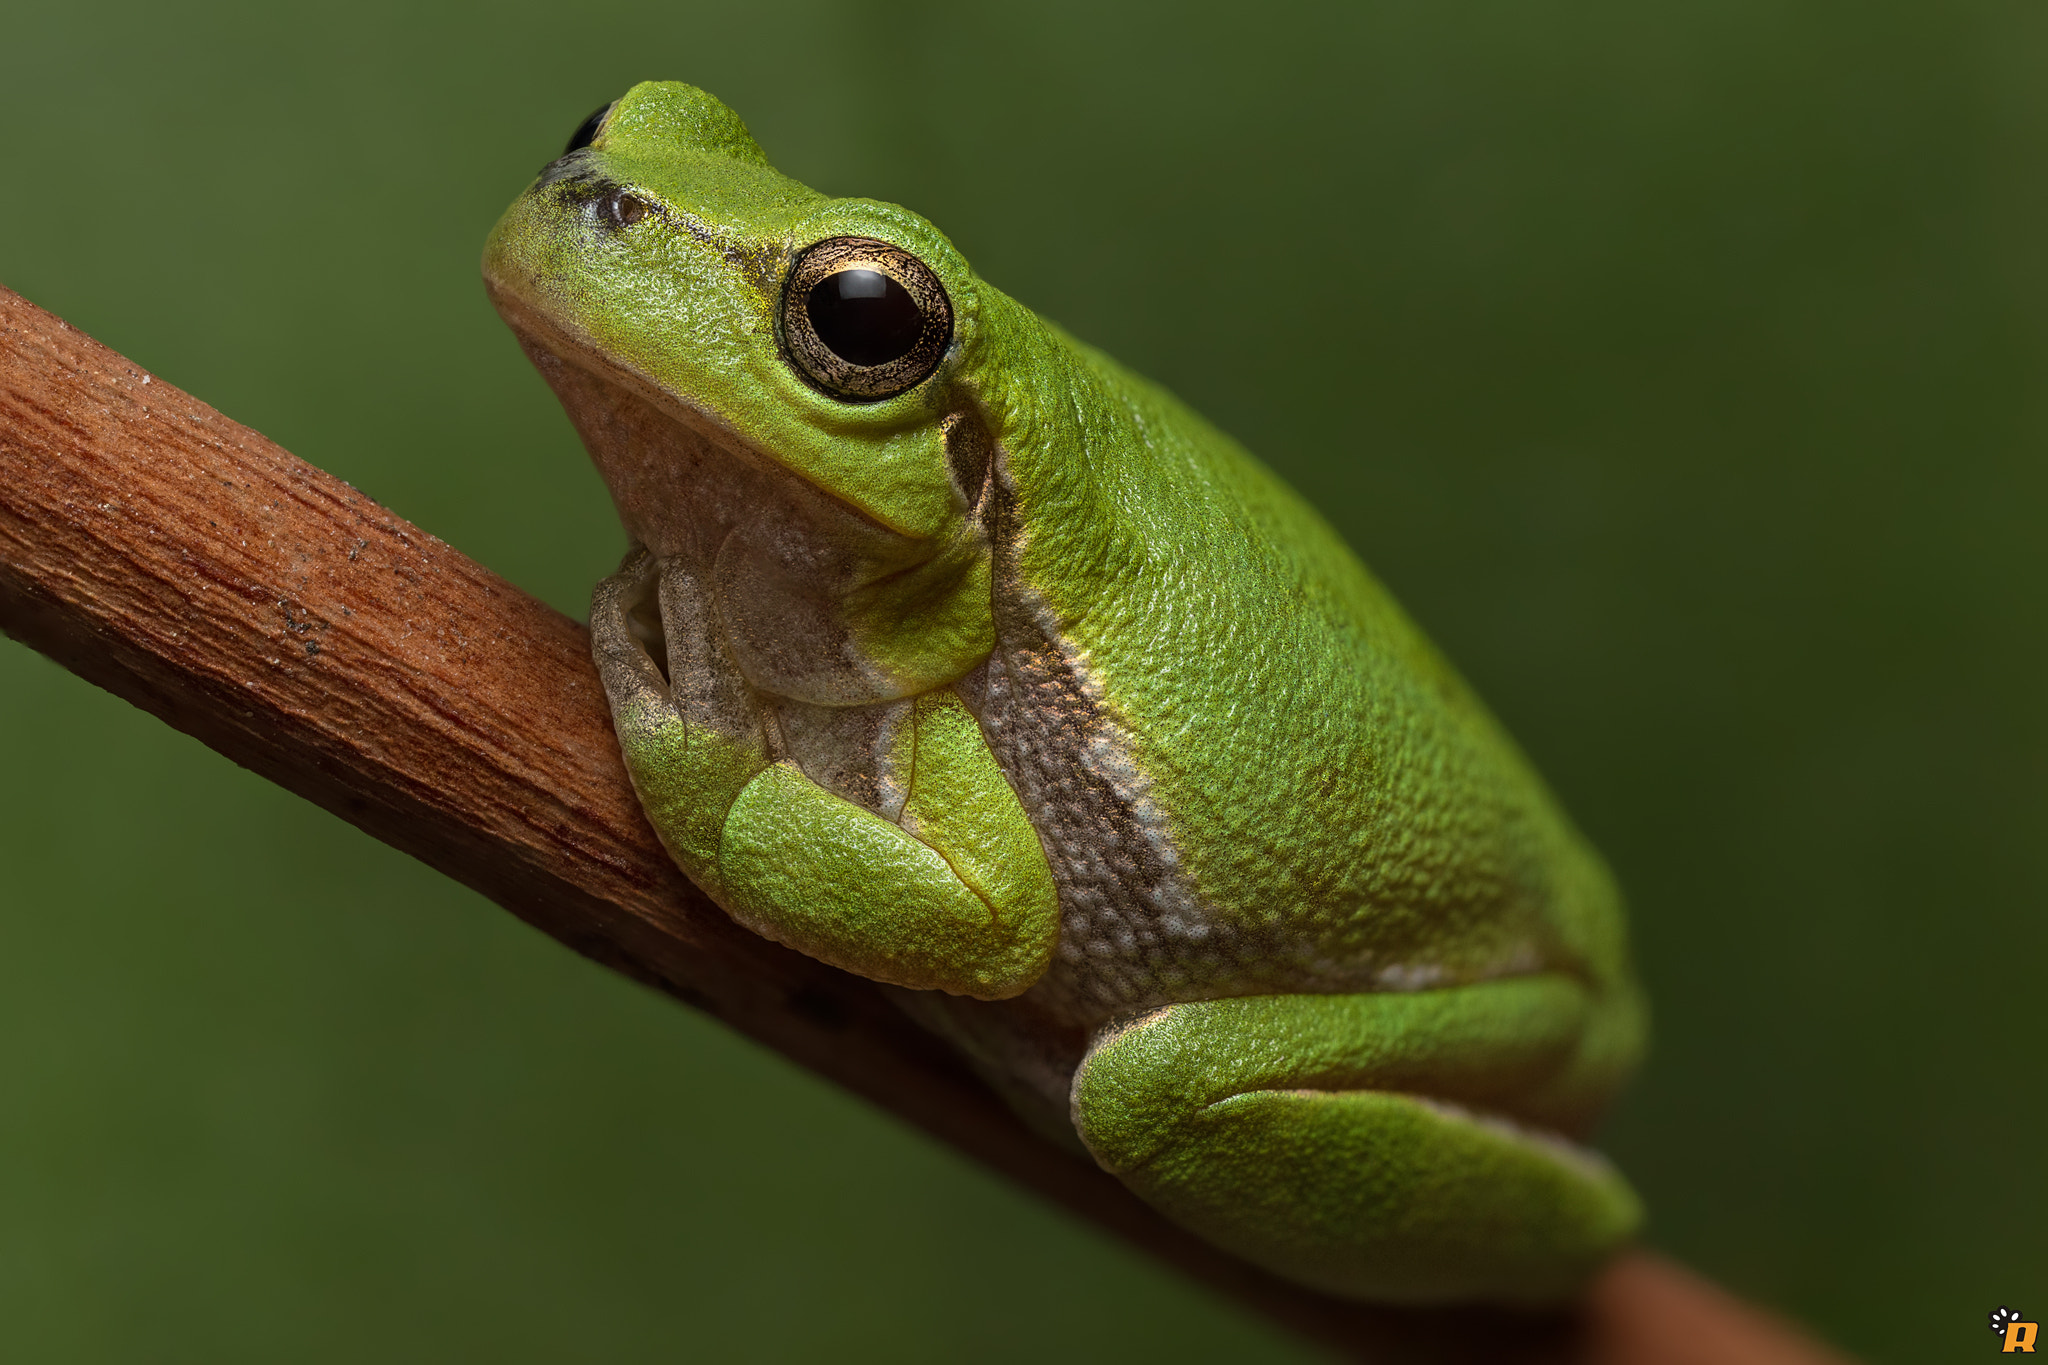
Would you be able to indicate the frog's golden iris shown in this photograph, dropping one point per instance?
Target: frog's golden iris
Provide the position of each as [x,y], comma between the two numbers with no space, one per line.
[863,319]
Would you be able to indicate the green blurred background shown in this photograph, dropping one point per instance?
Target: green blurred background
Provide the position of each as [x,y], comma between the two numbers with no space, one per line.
[1678,364]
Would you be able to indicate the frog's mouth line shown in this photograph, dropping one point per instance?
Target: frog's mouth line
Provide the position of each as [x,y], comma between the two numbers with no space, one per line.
[539,334]
[537,331]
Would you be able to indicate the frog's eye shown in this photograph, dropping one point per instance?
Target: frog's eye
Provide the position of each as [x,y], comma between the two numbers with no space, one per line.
[586,131]
[864,320]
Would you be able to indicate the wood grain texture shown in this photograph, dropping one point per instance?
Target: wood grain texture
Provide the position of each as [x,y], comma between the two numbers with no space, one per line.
[187,564]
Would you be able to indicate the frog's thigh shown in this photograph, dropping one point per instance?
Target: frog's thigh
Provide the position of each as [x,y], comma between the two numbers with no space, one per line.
[813,870]
[1346,1140]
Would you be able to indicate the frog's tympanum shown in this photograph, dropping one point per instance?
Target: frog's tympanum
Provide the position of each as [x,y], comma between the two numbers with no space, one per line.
[955,655]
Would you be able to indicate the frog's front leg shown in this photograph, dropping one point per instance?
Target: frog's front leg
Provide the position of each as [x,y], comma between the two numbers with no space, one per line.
[1362,1144]
[954,895]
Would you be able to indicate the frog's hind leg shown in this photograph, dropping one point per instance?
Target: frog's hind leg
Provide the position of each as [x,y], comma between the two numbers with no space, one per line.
[1401,1147]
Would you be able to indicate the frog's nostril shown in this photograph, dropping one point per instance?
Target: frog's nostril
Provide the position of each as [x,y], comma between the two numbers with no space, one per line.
[623,209]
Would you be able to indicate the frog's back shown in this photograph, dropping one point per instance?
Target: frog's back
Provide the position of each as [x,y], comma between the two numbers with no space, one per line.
[1251,772]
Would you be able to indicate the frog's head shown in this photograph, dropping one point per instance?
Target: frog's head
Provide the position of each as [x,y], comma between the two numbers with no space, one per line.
[663,255]
[754,364]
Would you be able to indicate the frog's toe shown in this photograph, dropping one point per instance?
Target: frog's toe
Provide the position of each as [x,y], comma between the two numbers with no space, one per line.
[629,642]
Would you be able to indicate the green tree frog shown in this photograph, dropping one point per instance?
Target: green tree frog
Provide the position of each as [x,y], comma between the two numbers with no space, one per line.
[955,655]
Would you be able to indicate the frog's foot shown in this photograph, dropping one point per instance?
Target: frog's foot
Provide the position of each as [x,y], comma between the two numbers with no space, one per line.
[1390,1146]
[954,894]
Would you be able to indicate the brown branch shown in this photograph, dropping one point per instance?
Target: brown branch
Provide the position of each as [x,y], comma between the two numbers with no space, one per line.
[185,563]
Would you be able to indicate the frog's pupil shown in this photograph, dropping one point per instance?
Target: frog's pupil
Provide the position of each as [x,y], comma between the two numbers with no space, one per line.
[866,317]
